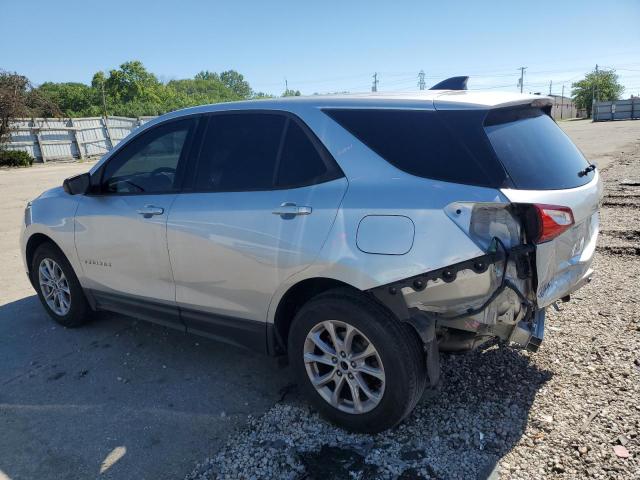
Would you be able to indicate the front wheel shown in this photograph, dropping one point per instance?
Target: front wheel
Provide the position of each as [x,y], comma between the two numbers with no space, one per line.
[360,367]
[58,287]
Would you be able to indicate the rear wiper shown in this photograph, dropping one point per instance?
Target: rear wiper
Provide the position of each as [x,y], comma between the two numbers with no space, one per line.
[586,171]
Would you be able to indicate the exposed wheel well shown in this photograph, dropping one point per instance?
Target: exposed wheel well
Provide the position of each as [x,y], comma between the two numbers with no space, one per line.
[293,300]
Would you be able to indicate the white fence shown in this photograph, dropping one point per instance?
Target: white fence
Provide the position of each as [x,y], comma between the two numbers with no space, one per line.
[48,139]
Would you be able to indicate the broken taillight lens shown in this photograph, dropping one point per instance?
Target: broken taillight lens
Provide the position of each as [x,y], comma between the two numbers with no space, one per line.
[552,221]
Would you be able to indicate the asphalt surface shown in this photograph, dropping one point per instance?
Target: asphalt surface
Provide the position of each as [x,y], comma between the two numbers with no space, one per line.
[122,399]
[116,399]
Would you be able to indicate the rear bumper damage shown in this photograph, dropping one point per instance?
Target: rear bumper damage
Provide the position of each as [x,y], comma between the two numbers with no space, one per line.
[464,305]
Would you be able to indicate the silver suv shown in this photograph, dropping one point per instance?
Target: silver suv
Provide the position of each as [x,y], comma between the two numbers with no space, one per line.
[360,235]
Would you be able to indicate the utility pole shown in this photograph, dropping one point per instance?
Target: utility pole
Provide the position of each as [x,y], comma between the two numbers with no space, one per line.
[286,86]
[550,86]
[562,104]
[104,100]
[593,94]
[421,83]
[374,87]
[521,81]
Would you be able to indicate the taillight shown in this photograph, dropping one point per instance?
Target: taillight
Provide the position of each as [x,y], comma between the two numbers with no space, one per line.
[552,221]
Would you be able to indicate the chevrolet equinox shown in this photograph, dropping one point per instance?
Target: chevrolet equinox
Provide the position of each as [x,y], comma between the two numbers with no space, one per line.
[360,235]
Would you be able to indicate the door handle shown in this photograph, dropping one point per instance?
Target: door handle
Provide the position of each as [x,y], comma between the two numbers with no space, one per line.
[289,209]
[150,210]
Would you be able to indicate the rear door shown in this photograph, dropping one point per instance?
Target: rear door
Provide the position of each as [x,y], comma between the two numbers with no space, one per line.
[263,198]
[545,167]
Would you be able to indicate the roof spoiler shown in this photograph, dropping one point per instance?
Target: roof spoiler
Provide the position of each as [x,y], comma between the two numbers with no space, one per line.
[453,83]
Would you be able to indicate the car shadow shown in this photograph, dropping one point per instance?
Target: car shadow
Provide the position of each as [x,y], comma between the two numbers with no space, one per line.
[128,398]
[120,398]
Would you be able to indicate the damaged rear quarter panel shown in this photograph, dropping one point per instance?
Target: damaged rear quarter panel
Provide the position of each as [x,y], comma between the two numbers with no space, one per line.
[563,264]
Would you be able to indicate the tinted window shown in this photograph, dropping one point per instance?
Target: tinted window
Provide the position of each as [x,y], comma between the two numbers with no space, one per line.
[535,151]
[300,162]
[148,164]
[239,152]
[417,142]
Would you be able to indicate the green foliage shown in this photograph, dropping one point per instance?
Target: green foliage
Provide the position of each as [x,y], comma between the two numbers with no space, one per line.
[261,96]
[132,82]
[15,158]
[73,99]
[291,93]
[19,99]
[235,82]
[603,83]
[132,91]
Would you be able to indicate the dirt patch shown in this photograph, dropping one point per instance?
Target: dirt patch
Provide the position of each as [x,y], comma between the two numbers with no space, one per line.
[621,204]
[623,234]
[621,250]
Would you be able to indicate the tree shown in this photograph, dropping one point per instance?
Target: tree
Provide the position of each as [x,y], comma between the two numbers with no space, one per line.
[131,91]
[603,84]
[132,81]
[73,99]
[206,75]
[236,82]
[19,99]
[291,93]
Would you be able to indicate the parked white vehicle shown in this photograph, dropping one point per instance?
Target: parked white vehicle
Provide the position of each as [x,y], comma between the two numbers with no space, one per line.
[358,234]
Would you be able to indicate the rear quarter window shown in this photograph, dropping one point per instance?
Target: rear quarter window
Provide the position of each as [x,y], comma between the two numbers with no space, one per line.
[420,143]
[535,151]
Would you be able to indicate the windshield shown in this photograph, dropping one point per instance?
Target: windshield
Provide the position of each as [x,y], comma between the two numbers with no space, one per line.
[535,151]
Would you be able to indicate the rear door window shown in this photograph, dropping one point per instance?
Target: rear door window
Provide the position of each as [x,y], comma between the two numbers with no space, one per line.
[260,151]
[240,152]
[418,142]
[535,152]
[301,163]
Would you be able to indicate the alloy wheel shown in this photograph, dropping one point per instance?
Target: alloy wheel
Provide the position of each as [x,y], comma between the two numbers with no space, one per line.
[54,286]
[344,367]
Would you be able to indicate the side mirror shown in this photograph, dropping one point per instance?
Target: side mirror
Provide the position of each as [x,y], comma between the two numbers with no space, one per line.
[78,184]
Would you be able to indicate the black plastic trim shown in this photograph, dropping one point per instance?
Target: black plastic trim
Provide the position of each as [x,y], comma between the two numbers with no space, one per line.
[251,334]
[142,308]
[391,294]
[240,332]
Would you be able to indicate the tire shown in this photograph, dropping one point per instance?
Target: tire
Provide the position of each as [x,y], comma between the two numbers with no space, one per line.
[388,384]
[58,267]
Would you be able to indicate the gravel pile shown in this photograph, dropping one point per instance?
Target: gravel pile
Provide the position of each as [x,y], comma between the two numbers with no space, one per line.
[571,410]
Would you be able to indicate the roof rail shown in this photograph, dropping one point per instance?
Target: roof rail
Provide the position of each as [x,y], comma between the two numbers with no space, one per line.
[452,83]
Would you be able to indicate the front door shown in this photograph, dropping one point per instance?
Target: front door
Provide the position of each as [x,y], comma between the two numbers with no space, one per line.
[265,194]
[120,230]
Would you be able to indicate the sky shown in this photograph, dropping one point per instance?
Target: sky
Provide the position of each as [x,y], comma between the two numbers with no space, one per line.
[328,46]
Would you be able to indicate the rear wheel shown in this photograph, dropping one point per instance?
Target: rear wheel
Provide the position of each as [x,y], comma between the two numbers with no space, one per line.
[58,287]
[359,366]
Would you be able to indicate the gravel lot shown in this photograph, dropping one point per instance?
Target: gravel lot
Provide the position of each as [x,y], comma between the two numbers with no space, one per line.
[572,410]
